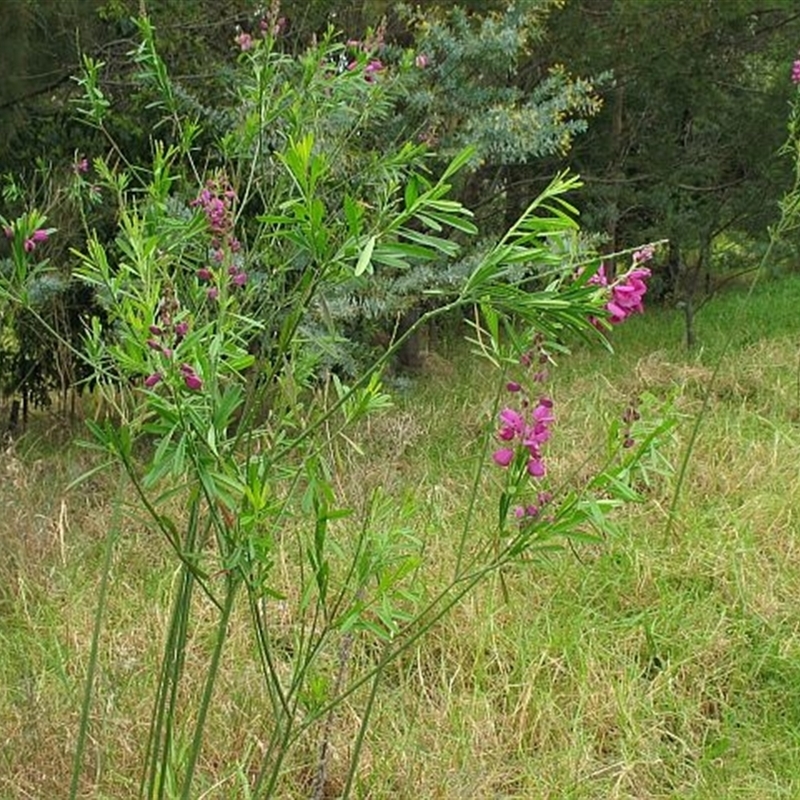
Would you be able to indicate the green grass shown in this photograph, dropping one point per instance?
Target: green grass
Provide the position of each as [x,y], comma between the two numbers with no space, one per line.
[662,663]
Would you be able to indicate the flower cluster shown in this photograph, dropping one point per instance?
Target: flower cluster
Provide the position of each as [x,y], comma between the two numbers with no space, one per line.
[166,333]
[626,292]
[527,430]
[39,236]
[532,510]
[216,201]
[796,71]
[372,44]
[270,23]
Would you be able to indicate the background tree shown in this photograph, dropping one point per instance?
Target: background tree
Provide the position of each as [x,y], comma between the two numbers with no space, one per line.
[685,144]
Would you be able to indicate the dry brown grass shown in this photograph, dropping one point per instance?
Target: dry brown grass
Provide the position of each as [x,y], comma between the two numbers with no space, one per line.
[652,666]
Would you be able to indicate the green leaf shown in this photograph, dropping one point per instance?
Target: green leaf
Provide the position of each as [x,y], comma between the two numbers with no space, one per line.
[366,255]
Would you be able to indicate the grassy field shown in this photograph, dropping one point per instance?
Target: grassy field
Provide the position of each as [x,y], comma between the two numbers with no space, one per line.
[662,663]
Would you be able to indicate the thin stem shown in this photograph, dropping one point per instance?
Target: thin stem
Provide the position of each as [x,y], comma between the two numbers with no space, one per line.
[362,730]
[211,677]
[111,538]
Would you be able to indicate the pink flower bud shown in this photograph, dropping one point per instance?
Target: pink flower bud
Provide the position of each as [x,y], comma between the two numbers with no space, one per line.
[204,274]
[151,380]
[192,381]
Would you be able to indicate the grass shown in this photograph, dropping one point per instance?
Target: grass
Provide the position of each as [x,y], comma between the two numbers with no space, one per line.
[663,663]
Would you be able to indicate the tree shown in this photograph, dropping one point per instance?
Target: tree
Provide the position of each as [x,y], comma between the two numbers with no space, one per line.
[684,147]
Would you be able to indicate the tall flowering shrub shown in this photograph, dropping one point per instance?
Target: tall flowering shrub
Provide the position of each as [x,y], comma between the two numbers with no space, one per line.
[211,288]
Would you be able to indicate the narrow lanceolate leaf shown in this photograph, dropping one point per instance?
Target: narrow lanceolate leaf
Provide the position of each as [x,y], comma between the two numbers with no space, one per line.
[434,242]
[401,251]
[435,220]
[366,256]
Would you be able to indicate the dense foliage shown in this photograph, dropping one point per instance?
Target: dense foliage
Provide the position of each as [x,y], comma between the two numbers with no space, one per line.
[426,95]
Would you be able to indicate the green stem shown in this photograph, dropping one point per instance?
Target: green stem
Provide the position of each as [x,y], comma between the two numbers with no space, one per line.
[111,538]
[362,730]
[462,542]
[208,692]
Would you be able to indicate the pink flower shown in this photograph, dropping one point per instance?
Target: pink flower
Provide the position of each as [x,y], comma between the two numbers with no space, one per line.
[204,274]
[212,293]
[181,329]
[536,468]
[37,237]
[151,380]
[529,433]
[239,279]
[374,66]
[796,72]
[627,294]
[504,456]
[81,166]
[421,61]
[599,278]
[513,386]
[245,41]
[644,254]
